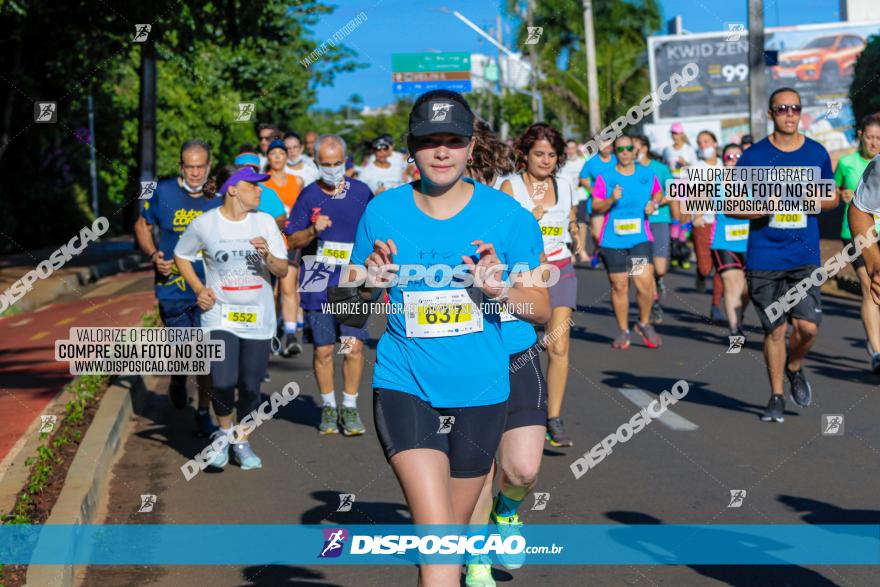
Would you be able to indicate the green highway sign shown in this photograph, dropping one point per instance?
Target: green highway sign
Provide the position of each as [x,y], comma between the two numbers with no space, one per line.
[413,62]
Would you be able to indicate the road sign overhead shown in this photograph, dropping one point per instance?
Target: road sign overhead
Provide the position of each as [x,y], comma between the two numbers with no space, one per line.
[421,87]
[429,76]
[459,61]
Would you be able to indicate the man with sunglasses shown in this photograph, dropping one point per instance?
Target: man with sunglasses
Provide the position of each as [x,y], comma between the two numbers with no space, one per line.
[381,173]
[175,203]
[267,133]
[783,249]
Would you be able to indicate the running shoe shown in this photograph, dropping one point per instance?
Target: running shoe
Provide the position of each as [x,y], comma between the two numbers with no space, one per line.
[350,422]
[508,526]
[290,345]
[661,288]
[622,341]
[204,424]
[657,313]
[716,315]
[221,458]
[246,456]
[177,393]
[801,392]
[875,363]
[700,284]
[649,335]
[329,416]
[775,411]
[479,574]
[556,433]
[685,265]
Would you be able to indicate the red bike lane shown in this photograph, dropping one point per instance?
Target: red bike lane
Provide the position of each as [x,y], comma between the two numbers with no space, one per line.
[30,377]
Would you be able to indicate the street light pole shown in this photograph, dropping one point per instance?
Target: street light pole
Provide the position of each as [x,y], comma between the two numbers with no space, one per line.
[533,58]
[757,70]
[592,76]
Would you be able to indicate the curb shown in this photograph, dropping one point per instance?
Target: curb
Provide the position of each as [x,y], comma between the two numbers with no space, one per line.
[78,502]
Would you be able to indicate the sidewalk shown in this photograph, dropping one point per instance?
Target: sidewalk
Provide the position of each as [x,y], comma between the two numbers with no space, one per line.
[99,259]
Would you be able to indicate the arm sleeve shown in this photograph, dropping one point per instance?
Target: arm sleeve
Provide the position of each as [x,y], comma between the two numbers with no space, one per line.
[300,216]
[190,242]
[600,190]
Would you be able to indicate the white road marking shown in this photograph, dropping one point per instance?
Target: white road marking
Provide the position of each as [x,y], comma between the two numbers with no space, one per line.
[669,418]
[22,322]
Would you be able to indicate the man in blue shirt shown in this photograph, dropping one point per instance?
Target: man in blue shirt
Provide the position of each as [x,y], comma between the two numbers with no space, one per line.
[783,250]
[323,223]
[173,205]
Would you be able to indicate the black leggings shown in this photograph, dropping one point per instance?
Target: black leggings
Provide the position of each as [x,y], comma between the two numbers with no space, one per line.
[244,365]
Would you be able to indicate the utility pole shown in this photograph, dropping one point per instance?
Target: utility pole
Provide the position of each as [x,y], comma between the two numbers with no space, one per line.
[93,172]
[757,71]
[592,76]
[533,58]
[147,130]
[499,34]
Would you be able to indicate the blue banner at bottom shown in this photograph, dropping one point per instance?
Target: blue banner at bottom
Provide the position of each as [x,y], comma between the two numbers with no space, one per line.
[724,544]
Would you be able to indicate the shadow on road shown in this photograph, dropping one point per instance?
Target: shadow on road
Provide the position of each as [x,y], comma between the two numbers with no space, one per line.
[821,512]
[284,575]
[748,546]
[362,512]
[697,394]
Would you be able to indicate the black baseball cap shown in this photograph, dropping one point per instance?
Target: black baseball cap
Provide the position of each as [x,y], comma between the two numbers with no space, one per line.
[447,112]
[748,139]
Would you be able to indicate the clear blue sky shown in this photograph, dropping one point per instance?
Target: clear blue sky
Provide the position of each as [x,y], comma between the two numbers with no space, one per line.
[411,26]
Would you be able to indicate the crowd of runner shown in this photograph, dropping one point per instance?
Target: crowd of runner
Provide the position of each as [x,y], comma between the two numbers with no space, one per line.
[256,251]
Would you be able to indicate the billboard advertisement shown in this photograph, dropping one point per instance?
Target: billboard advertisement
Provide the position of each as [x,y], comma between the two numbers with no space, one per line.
[817,60]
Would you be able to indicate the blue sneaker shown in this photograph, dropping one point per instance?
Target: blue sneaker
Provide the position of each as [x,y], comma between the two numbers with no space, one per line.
[204,424]
[246,457]
[508,526]
[220,459]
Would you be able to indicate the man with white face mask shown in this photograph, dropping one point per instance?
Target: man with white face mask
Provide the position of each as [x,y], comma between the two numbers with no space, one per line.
[323,223]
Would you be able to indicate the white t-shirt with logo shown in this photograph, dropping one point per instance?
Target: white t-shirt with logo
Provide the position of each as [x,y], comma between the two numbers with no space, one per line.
[375,176]
[309,172]
[554,223]
[234,271]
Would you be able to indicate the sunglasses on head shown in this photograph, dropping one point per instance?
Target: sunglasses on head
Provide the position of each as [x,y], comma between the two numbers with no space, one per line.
[784,108]
[625,148]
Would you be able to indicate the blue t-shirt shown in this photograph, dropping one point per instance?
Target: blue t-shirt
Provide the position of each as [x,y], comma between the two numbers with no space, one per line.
[595,167]
[446,371]
[662,215]
[345,212]
[270,203]
[518,335]
[776,249]
[625,224]
[171,209]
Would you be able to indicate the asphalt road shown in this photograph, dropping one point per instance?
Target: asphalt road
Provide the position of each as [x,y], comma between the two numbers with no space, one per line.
[676,472]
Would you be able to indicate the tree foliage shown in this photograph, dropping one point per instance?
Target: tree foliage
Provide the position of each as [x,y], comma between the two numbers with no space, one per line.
[211,56]
[621,28]
[864,93]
